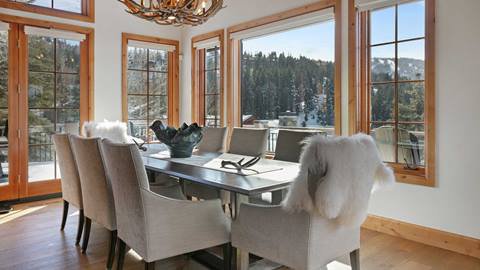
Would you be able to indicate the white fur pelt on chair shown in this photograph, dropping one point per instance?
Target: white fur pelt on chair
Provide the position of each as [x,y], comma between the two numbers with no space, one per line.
[336,178]
[116,131]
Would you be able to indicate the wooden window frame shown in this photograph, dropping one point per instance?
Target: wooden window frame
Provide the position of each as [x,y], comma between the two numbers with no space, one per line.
[87,15]
[233,121]
[358,91]
[173,70]
[198,77]
[20,81]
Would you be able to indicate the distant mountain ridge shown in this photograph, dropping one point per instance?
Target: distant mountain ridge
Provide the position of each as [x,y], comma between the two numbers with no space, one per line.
[408,67]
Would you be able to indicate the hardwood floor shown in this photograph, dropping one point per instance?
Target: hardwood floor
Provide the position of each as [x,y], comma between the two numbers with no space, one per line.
[30,238]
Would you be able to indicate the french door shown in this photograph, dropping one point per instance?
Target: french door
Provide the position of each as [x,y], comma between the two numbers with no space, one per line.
[43,90]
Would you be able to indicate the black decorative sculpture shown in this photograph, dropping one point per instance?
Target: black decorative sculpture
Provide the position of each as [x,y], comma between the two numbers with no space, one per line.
[240,165]
[180,141]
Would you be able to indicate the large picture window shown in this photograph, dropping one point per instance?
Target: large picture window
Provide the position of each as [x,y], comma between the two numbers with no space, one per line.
[71,9]
[149,73]
[397,83]
[285,74]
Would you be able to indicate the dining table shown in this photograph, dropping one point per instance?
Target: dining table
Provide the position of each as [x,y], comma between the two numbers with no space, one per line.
[273,176]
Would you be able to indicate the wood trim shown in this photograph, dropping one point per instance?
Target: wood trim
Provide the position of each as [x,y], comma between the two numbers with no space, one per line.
[352,69]
[428,236]
[275,18]
[322,4]
[173,68]
[359,112]
[44,188]
[88,10]
[46,24]
[338,67]
[197,99]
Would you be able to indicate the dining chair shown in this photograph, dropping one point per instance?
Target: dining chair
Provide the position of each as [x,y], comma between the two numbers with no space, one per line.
[213,141]
[158,227]
[249,141]
[296,240]
[289,144]
[70,181]
[98,202]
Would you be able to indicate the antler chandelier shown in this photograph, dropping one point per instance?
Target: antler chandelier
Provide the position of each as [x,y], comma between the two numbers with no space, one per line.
[174,12]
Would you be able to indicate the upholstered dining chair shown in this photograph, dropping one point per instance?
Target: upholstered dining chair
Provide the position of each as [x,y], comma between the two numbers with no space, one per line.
[289,144]
[296,240]
[70,181]
[249,141]
[158,227]
[213,141]
[98,202]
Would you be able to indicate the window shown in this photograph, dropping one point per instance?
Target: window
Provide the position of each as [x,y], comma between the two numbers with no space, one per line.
[148,84]
[207,78]
[71,9]
[45,88]
[286,77]
[397,85]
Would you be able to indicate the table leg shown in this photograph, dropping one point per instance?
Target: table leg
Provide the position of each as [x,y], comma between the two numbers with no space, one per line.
[241,260]
[278,195]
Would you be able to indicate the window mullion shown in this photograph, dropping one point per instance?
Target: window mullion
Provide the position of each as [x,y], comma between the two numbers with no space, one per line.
[396,86]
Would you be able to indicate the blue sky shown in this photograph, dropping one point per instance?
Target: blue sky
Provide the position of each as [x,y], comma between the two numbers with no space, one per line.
[317,41]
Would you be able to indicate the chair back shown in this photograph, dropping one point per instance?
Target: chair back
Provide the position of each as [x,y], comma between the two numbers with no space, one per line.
[213,139]
[249,141]
[289,144]
[98,202]
[70,180]
[385,140]
[127,175]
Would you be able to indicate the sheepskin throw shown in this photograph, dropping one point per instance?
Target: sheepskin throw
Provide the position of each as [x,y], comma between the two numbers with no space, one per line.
[115,131]
[336,178]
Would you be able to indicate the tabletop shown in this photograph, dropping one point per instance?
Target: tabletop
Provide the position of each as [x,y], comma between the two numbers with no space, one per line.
[247,185]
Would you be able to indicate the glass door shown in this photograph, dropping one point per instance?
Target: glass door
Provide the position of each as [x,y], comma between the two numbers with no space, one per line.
[44,89]
[8,112]
[53,100]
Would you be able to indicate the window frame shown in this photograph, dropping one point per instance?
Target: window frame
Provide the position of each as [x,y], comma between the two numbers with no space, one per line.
[198,77]
[173,78]
[87,14]
[234,99]
[359,111]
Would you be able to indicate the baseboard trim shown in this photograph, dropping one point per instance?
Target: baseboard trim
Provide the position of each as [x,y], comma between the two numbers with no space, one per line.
[428,236]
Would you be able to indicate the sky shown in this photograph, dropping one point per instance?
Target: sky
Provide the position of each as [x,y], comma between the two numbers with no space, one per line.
[317,41]
[69,5]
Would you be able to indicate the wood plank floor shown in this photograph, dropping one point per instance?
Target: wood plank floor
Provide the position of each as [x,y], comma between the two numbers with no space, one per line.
[30,239]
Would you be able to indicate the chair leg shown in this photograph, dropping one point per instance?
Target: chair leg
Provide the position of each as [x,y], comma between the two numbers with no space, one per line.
[121,254]
[355,259]
[65,215]
[149,265]
[111,250]
[227,256]
[81,219]
[86,234]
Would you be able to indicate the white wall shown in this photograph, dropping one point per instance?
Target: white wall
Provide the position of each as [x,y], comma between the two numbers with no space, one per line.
[454,204]
[110,21]
[451,206]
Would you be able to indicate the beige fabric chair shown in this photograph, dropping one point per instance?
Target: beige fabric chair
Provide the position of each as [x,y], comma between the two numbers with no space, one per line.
[213,141]
[289,144]
[158,227]
[249,141]
[299,241]
[70,181]
[97,192]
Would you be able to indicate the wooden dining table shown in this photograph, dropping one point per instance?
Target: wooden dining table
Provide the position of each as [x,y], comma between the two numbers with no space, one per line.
[242,188]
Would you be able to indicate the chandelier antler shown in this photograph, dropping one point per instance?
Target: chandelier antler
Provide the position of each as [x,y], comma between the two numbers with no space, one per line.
[174,12]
